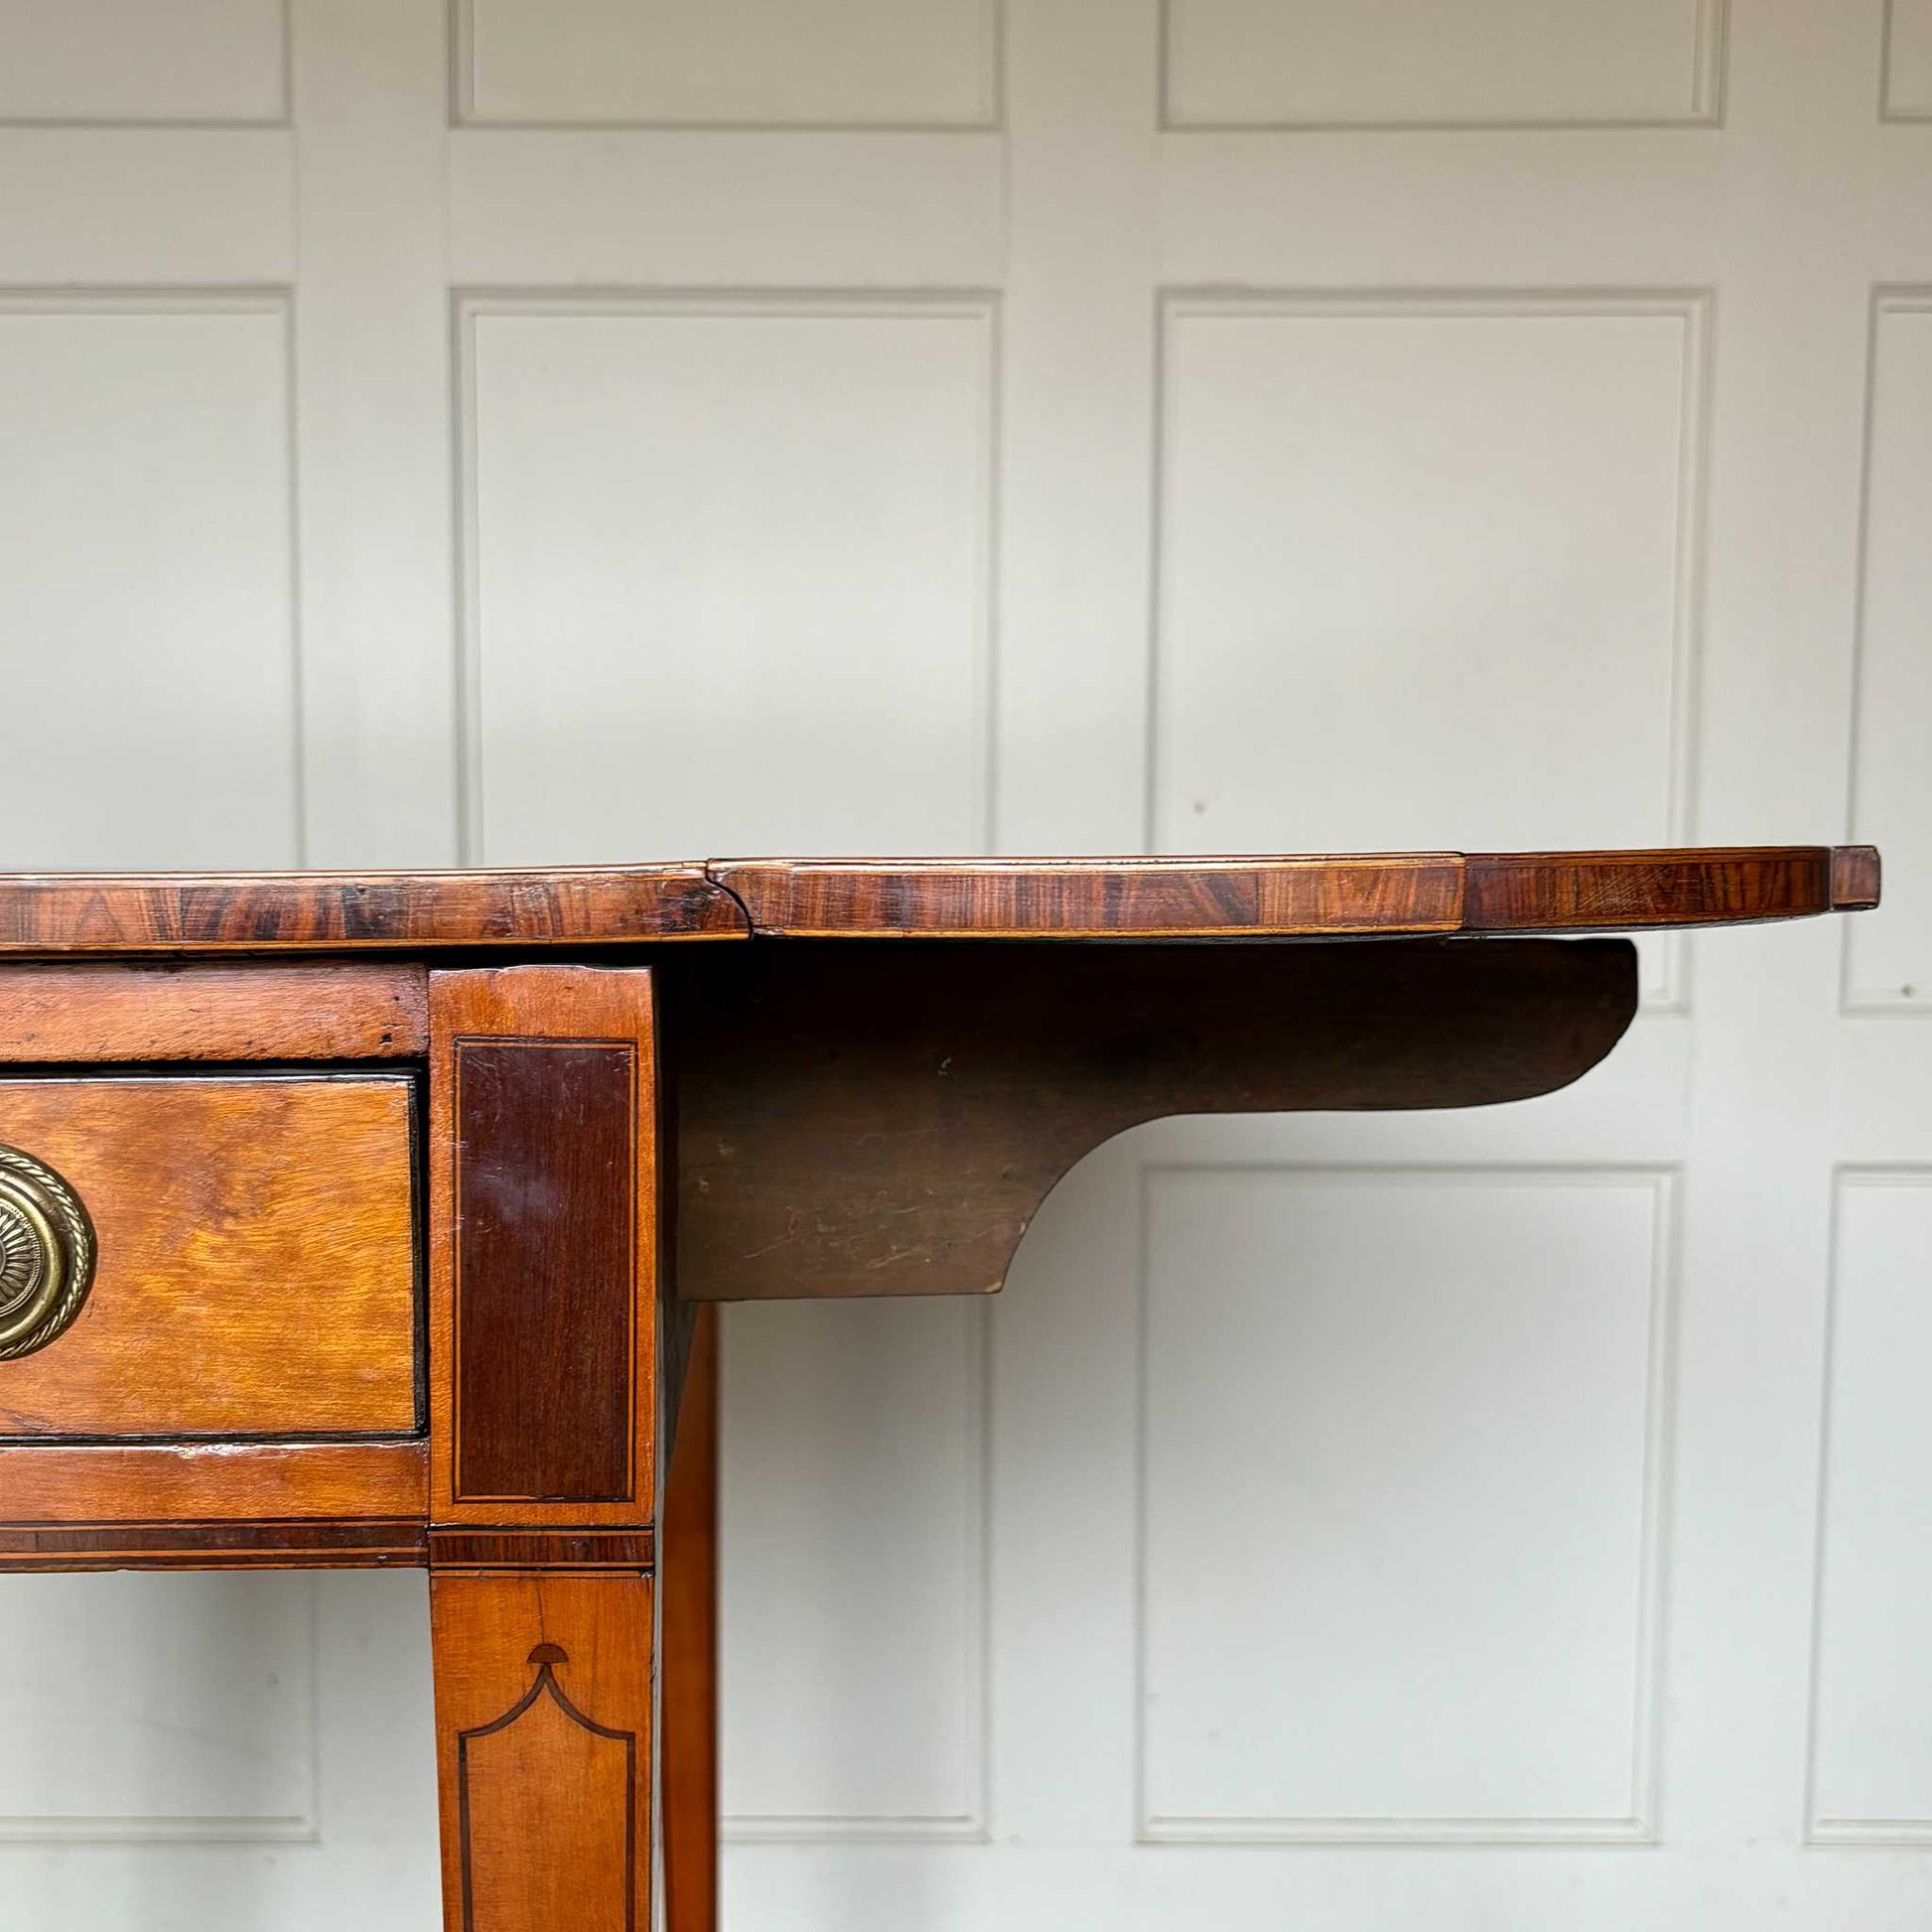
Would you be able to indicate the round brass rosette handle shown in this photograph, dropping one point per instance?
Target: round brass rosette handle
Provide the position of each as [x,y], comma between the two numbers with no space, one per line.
[47,1253]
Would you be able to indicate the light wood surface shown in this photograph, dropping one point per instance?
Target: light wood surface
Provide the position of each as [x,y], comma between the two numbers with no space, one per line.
[271,1010]
[212,1505]
[543,1750]
[256,1271]
[217,1482]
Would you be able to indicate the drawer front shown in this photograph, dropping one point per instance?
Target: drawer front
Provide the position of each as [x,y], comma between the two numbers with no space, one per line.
[254,1267]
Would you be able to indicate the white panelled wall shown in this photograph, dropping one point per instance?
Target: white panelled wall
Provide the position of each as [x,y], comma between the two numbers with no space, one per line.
[556,430]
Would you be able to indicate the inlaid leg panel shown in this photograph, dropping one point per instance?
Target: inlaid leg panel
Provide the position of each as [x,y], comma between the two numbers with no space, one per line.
[544,1748]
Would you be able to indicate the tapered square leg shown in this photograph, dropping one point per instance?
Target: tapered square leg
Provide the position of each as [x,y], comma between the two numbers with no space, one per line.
[689,1568]
[543,1750]
[543,1443]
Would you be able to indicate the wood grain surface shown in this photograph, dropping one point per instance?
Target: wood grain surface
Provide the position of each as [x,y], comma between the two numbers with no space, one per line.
[1612,891]
[182,1542]
[546,1270]
[318,911]
[214,1483]
[1126,898]
[578,1551]
[1389,892]
[1119,898]
[272,1010]
[543,1245]
[688,1677]
[1855,878]
[887,1119]
[543,1742]
[256,1271]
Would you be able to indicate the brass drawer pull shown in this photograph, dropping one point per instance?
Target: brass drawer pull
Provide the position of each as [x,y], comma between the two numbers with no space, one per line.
[47,1253]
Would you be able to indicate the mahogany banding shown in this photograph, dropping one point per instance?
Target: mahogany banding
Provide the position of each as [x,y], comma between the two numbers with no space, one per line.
[546,1222]
[355,1542]
[542,1238]
[523,1550]
[1061,898]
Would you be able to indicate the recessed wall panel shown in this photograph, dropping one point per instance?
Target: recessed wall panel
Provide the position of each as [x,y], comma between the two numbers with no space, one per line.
[148,1709]
[144,582]
[728,579]
[1907,94]
[1468,63]
[728,62]
[1427,573]
[1402,1461]
[854,1570]
[1871,1744]
[135,61]
[1889,953]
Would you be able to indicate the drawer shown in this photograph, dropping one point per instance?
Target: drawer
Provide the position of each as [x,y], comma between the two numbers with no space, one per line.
[254,1268]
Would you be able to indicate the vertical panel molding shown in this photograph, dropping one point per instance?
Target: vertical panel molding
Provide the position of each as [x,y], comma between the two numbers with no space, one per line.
[1868,1770]
[615,447]
[1643,1403]
[210,1635]
[1888,958]
[802,1338]
[165,410]
[1237,609]
[1905,81]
